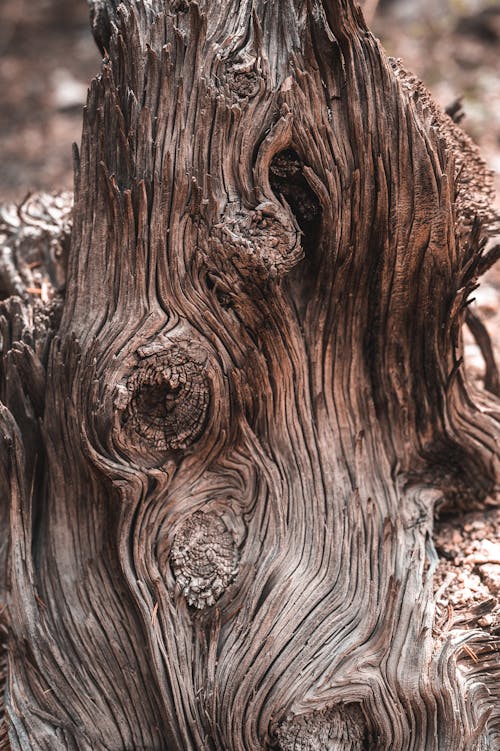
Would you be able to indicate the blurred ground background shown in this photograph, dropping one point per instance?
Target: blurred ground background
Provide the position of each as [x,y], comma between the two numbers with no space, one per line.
[48,57]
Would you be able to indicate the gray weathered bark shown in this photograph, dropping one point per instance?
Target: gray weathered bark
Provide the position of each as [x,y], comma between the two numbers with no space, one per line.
[224,441]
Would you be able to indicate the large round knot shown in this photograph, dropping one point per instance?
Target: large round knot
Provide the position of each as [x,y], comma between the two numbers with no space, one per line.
[204,558]
[167,399]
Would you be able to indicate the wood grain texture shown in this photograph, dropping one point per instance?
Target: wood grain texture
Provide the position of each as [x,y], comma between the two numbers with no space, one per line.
[224,452]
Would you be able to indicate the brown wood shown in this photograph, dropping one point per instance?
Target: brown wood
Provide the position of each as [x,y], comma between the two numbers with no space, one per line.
[224,441]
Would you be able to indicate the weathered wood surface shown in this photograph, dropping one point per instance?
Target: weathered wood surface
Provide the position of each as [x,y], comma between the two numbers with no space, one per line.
[224,440]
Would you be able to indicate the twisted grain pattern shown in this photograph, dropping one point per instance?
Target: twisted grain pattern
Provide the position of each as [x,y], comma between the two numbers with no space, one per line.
[4,740]
[223,469]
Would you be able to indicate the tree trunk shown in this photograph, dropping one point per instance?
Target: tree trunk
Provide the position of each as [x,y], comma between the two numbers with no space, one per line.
[225,440]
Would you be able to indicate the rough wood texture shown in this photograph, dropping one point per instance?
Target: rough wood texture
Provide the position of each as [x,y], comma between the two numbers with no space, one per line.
[223,461]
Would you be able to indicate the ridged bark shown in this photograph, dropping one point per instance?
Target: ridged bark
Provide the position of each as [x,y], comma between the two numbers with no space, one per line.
[224,459]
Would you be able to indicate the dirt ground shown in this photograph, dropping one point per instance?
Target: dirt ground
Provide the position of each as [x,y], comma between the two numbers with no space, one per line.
[47,59]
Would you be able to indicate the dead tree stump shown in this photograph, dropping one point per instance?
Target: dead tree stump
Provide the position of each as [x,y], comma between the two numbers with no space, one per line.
[227,430]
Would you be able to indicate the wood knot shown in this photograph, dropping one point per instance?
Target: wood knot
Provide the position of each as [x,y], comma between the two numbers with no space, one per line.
[341,728]
[167,399]
[264,242]
[204,558]
[180,6]
[244,84]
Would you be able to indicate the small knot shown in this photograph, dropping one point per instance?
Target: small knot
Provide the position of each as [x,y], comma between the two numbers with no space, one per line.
[244,84]
[167,400]
[204,558]
[264,242]
[180,6]
[341,728]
